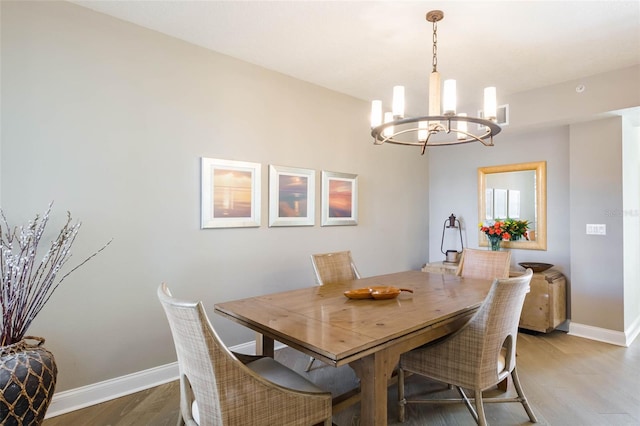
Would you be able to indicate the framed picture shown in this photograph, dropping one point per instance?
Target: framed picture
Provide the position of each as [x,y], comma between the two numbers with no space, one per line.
[230,194]
[339,199]
[291,196]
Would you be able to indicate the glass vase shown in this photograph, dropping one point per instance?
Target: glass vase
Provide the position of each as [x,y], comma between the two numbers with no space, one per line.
[494,243]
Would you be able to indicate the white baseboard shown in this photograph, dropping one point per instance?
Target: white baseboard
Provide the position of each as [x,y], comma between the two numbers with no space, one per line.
[602,334]
[85,396]
[633,331]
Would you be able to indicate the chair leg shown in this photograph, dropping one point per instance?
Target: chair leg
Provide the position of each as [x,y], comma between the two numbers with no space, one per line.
[402,402]
[467,403]
[180,418]
[309,364]
[482,420]
[523,398]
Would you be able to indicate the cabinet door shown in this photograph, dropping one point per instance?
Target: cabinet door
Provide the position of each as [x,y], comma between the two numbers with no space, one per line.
[535,311]
[545,306]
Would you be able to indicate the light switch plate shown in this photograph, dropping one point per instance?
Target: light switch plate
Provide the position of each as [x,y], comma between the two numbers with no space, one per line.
[596,229]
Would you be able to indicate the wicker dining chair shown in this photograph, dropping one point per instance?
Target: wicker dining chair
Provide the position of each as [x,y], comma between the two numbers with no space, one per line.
[478,356]
[484,264]
[219,387]
[332,268]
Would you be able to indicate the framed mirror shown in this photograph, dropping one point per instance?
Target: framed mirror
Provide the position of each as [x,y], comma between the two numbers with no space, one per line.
[515,191]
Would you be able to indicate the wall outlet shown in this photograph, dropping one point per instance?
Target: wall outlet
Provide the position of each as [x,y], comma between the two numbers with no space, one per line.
[596,229]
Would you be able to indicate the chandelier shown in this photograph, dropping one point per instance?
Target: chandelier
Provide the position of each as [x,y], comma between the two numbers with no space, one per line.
[444,127]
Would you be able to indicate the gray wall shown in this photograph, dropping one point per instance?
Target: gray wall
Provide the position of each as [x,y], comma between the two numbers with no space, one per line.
[596,188]
[110,120]
[631,221]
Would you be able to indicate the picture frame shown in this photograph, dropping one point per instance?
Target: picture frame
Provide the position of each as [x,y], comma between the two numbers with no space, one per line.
[291,196]
[339,199]
[230,193]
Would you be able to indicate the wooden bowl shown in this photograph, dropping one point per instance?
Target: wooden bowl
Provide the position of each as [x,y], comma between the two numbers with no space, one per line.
[385,292]
[536,266]
[359,293]
[377,292]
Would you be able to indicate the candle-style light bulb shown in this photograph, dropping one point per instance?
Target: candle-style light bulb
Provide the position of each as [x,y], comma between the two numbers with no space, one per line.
[462,127]
[449,98]
[423,130]
[376,113]
[490,104]
[388,118]
[398,101]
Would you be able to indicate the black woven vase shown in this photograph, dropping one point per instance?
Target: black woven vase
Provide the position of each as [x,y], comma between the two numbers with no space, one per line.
[27,381]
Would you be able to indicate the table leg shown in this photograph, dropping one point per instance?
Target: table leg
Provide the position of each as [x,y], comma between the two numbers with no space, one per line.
[374,372]
[264,345]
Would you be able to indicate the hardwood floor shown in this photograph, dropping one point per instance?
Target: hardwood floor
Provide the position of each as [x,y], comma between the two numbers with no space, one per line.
[568,381]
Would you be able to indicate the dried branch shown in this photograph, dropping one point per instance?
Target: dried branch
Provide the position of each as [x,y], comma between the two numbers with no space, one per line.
[26,284]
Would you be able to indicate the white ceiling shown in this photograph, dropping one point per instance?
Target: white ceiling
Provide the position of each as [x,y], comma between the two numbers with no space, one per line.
[364,48]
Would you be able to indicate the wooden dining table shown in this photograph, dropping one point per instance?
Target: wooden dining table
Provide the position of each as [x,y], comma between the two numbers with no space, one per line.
[368,334]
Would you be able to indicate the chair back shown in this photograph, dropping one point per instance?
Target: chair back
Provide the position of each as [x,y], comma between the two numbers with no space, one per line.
[201,358]
[334,267]
[496,325]
[484,264]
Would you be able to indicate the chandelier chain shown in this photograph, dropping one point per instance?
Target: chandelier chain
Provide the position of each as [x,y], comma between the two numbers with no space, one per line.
[435,46]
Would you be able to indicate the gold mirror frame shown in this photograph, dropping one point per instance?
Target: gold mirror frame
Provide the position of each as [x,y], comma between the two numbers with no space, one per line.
[540,168]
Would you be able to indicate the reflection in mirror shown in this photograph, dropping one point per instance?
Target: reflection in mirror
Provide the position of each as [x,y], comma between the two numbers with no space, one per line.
[515,191]
[514,197]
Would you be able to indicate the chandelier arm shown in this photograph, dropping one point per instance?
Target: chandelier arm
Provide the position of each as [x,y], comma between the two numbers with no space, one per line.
[492,129]
[426,142]
[448,128]
[475,137]
[390,139]
[470,138]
